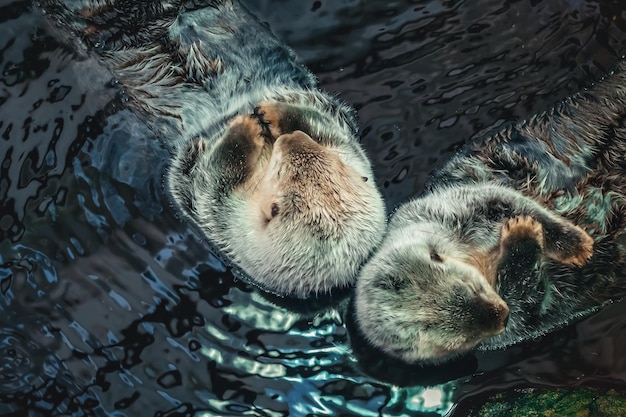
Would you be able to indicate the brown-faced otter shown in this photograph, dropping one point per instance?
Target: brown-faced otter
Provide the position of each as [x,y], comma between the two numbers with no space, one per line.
[422,296]
[297,213]
[265,164]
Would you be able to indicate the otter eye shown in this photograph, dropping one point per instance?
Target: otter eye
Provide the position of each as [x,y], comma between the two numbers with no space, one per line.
[434,256]
[364,179]
[275,210]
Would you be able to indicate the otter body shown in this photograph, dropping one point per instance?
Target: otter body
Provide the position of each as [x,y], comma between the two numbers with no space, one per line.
[264,163]
[533,217]
[438,272]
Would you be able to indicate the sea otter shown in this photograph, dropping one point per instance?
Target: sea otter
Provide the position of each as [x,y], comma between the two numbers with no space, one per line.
[265,164]
[435,274]
[436,285]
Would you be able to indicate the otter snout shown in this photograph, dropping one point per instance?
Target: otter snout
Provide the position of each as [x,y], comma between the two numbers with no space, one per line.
[490,314]
[303,159]
[298,142]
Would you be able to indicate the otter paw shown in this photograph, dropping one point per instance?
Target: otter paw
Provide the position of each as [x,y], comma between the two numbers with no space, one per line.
[248,126]
[522,228]
[581,248]
[273,116]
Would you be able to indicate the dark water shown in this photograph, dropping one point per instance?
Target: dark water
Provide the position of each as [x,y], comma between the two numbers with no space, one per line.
[109,305]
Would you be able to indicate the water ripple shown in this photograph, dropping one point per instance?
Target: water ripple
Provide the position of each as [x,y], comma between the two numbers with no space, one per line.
[113,306]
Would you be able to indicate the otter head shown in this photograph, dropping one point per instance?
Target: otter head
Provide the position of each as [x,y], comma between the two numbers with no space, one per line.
[306,188]
[299,215]
[418,299]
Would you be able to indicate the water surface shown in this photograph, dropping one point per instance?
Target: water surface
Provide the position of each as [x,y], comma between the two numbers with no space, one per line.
[111,306]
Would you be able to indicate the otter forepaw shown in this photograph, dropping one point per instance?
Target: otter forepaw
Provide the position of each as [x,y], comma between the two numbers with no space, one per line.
[248,126]
[272,115]
[575,248]
[522,228]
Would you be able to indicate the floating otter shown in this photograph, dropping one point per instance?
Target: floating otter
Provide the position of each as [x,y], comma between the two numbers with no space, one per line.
[452,257]
[265,164]
[435,274]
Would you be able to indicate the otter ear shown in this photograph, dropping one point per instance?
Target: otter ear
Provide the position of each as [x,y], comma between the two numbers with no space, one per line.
[190,156]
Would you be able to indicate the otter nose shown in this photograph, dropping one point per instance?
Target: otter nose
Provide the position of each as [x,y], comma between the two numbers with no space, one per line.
[503,317]
[297,141]
[506,319]
[491,314]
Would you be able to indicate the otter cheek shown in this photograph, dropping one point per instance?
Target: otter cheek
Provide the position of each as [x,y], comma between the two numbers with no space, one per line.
[266,183]
[435,345]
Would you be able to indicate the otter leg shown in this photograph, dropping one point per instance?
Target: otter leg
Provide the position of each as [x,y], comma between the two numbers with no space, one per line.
[232,157]
[520,247]
[239,149]
[522,236]
[521,228]
[568,244]
[245,130]
[564,242]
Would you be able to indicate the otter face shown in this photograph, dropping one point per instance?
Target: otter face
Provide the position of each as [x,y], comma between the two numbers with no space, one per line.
[311,217]
[418,299]
[294,212]
[304,184]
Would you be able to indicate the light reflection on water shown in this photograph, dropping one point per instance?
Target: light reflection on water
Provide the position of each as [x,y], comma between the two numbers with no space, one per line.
[111,306]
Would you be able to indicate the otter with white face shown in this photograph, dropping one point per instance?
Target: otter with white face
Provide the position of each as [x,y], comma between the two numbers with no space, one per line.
[265,164]
[432,289]
[430,302]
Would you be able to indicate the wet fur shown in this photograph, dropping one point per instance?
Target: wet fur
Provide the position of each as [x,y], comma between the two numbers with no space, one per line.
[569,164]
[570,160]
[435,273]
[214,83]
